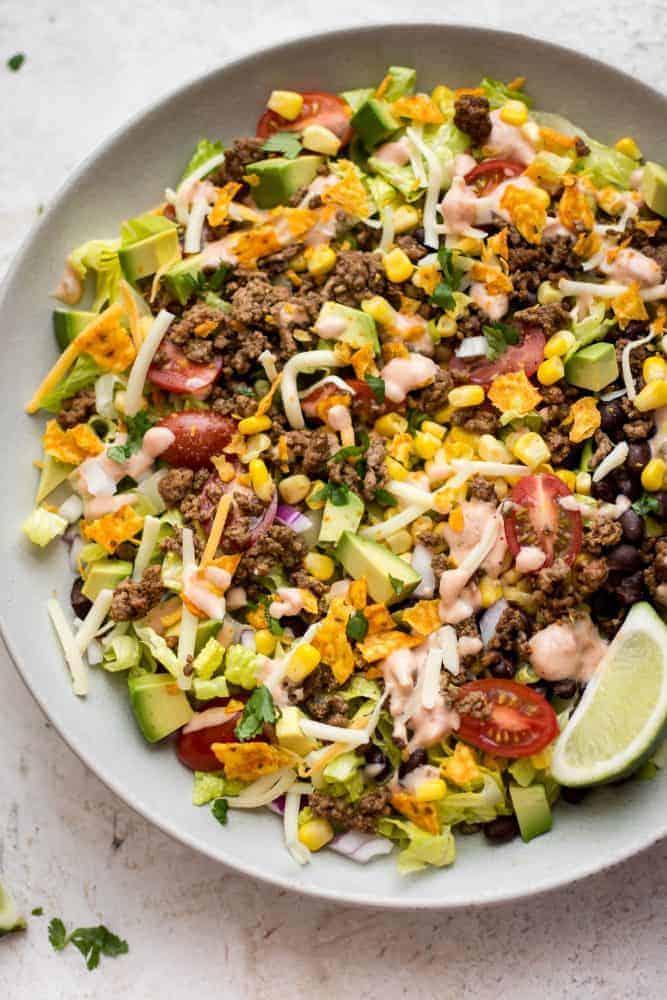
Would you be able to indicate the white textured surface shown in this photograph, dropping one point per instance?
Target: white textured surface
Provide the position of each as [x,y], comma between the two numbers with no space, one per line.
[68,844]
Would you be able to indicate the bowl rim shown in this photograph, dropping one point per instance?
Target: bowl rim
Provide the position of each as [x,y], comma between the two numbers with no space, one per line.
[550,881]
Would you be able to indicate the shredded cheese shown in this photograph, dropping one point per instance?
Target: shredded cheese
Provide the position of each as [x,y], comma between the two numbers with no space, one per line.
[435,180]
[388,231]
[616,457]
[394,523]
[67,639]
[263,790]
[142,362]
[450,650]
[626,370]
[148,542]
[308,361]
[93,620]
[268,362]
[430,686]
[333,734]
[299,851]
[217,528]
[195,226]
[494,469]
[189,621]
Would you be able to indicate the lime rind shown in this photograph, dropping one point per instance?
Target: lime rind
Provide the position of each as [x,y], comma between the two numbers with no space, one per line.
[10,919]
[623,711]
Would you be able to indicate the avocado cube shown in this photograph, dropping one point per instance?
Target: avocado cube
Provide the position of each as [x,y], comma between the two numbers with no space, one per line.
[388,577]
[532,809]
[337,519]
[352,326]
[68,324]
[279,178]
[592,367]
[105,574]
[53,474]
[159,705]
[288,731]
[150,255]
[355,98]
[374,122]
[654,188]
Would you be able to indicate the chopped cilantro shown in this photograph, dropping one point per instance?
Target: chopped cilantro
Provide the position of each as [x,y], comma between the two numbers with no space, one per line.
[357,626]
[398,586]
[136,428]
[286,143]
[352,450]
[15,62]
[338,493]
[385,498]
[57,934]
[220,809]
[38,911]
[92,942]
[443,294]
[646,505]
[415,419]
[259,709]
[377,385]
[218,278]
[498,338]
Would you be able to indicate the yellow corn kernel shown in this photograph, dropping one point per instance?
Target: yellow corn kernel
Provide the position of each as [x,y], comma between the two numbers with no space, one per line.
[514,113]
[531,449]
[568,477]
[391,424]
[490,591]
[492,450]
[466,395]
[319,566]
[379,309]
[316,833]
[541,760]
[430,427]
[261,481]
[629,147]
[582,483]
[254,425]
[286,103]
[458,435]
[445,326]
[442,95]
[653,475]
[652,396]
[406,217]
[302,662]
[400,541]
[550,371]
[321,260]
[559,344]
[315,488]
[395,469]
[401,447]
[299,263]
[320,140]
[294,489]
[426,445]
[430,790]
[420,526]
[548,293]
[265,642]
[654,368]
[501,488]
[398,266]
[456,520]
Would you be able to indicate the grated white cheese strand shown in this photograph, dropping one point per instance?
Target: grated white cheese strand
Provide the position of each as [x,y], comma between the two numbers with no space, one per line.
[430,687]
[494,469]
[299,851]
[149,538]
[478,554]
[388,231]
[392,524]
[332,734]
[195,226]
[609,290]
[67,639]
[616,457]
[93,620]
[188,633]
[142,362]
[307,361]
[435,182]
[626,370]
[412,494]
[332,380]
[268,362]
[263,790]
[450,649]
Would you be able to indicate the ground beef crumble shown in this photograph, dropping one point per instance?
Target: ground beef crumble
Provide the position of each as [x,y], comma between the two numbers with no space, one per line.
[356,276]
[373,476]
[362,815]
[175,485]
[472,115]
[279,546]
[135,599]
[600,534]
[481,489]
[77,409]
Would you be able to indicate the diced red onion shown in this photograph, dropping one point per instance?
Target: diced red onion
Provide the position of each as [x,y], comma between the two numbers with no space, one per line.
[421,563]
[209,717]
[489,620]
[293,518]
[277,806]
[265,521]
[360,847]
[247,638]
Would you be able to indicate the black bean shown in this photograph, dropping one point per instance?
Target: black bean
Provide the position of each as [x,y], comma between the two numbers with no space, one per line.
[604,604]
[564,689]
[627,486]
[417,758]
[501,829]
[573,795]
[624,558]
[633,526]
[612,416]
[661,497]
[604,490]
[630,589]
[541,688]
[639,454]
[375,757]
[80,603]
[502,668]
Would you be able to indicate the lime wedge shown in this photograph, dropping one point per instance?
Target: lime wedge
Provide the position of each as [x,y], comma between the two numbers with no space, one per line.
[10,920]
[624,708]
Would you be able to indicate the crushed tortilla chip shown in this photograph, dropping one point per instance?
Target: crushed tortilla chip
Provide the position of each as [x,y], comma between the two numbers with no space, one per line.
[379,618]
[224,468]
[514,393]
[348,193]
[227,562]
[585,419]
[73,445]
[326,403]
[497,244]
[112,529]
[556,141]
[658,324]
[427,278]
[110,346]
[648,226]
[332,643]
[357,594]
[255,243]
[423,617]
[248,761]
[495,280]
[257,617]
[379,645]
[629,306]
[527,208]
[587,245]
[362,360]
[574,209]
[309,601]
[226,195]
[394,349]
[265,402]
[418,107]
[422,814]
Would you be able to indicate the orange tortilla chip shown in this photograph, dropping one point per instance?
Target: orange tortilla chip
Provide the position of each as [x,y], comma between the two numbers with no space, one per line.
[424,617]
[379,645]
[348,193]
[357,595]
[112,529]
[419,108]
[229,563]
[257,617]
[422,814]
[332,643]
[587,244]
[248,761]
[575,211]
[527,208]
[556,141]
[513,393]
[629,306]
[73,445]
[226,195]
[495,281]
[585,419]
[109,345]
[498,244]
[362,360]
[379,618]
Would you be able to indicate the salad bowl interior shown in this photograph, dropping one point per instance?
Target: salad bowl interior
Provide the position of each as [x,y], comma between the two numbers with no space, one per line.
[129,172]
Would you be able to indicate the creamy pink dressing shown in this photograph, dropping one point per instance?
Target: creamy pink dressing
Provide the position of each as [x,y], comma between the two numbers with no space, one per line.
[402,375]
[236,598]
[205,589]
[70,286]
[553,228]
[658,442]
[330,326]
[290,602]
[509,142]
[495,306]
[397,153]
[463,164]
[631,265]
[458,598]
[530,559]
[636,178]
[99,506]
[338,418]
[402,672]
[469,645]
[98,477]
[209,717]
[563,651]
[458,208]
[413,779]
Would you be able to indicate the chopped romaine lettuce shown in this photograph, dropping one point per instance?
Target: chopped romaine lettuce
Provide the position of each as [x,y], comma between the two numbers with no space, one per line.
[499,93]
[383,739]
[209,785]
[83,374]
[381,191]
[593,328]
[605,165]
[208,660]
[158,648]
[240,666]
[402,80]
[100,256]
[418,849]
[402,178]
[204,690]
[204,150]
[42,526]
[355,98]
[475,807]
[343,776]
[123,653]
[361,687]
[172,572]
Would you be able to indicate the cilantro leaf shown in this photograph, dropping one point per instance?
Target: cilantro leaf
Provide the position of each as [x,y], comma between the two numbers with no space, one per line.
[352,450]
[377,385]
[442,296]
[398,586]
[498,338]
[385,498]
[57,934]
[338,493]
[218,278]
[415,419]
[286,143]
[136,428]
[646,505]
[15,62]
[220,809]
[259,709]
[38,911]
[357,626]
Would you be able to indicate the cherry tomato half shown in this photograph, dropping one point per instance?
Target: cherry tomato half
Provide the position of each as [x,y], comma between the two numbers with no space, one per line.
[319,108]
[521,722]
[492,173]
[180,376]
[194,749]
[198,435]
[526,356]
[537,518]
[364,404]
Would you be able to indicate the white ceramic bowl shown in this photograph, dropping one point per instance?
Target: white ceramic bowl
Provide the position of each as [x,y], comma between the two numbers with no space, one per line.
[130,172]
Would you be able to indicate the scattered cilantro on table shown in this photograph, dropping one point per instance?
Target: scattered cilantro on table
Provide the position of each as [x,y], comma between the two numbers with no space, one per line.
[92,942]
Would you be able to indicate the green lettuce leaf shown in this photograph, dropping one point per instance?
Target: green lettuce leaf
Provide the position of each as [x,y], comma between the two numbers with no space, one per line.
[204,150]
[42,526]
[475,807]
[123,653]
[418,849]
[240,667]
[208,660]
[605,165]
[593,327]
[498,93]
[209,785]
[100,256]
[343,776]
[84,373]
[156,646]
